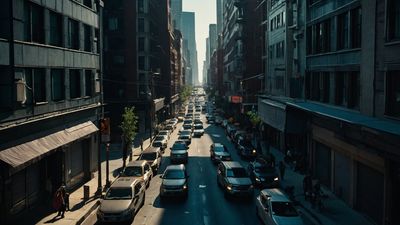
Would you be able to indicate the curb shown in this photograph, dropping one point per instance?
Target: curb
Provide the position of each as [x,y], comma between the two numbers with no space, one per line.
[86,215]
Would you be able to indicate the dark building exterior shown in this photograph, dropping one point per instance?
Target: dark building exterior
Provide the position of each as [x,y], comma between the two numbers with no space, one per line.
[50,98]
[137,62]
[348,112]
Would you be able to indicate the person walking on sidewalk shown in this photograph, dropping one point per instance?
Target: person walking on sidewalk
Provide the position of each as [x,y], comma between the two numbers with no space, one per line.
[59,203]
[282,169]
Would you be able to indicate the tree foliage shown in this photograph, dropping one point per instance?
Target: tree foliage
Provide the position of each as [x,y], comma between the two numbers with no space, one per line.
[254,118]
[185,92]
[128,126]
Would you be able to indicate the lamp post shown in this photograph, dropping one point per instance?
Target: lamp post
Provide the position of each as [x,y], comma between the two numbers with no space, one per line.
[107,165]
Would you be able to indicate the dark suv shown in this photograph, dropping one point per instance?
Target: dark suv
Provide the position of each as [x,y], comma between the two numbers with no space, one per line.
[246,149]
[174,181]
[233,178]
[218,153]
[263,173]
[179,153]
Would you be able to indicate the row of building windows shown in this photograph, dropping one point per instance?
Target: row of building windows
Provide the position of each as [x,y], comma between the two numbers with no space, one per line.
[348,33]
[34,30]
[278,48]
[278,21]
[80,84]
[340,88]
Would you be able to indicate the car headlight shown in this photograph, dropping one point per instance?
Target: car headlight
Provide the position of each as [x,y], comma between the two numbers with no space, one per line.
[229,187]
[258,179]
[254,151]
[251,186]
[184,187]
[276,178]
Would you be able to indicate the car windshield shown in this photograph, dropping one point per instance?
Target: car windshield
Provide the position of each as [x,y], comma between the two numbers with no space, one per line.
[198,127]
[264,169]
[134,171]
[185,132]
[219,149]
[184,137]
[187,126]
[187,122]
[236,172]
[148,156]
[118,193]
[159,138]
[157,144]
[174,174]
[284,209]
[178,146]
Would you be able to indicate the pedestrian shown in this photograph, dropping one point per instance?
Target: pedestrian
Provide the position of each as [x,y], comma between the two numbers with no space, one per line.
[65,195]
[141,145]
[59,203]
[307,186]
[282,168]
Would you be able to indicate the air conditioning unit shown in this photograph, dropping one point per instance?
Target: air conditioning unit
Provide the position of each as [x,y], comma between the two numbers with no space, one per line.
[20,87]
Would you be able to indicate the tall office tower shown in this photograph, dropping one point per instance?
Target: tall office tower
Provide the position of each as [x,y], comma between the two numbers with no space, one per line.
[220,16]
[176,13]
[188,33]
[213,37]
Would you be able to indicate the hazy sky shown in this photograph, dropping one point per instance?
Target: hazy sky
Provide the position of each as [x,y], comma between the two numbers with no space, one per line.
[205,13]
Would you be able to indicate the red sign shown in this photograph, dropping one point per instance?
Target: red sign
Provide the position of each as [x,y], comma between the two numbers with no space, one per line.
[236,99]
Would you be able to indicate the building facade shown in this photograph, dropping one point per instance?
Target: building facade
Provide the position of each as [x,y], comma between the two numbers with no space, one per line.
[50,101]
[189,34]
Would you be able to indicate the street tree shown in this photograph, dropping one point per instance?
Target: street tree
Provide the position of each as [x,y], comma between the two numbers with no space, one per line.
[185,92]
[129,128]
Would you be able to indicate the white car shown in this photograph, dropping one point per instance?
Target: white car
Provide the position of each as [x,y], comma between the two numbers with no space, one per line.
[274,208]
[198,130]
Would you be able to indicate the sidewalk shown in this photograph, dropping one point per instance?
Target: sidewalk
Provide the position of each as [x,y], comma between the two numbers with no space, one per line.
[336,211]
[79,209]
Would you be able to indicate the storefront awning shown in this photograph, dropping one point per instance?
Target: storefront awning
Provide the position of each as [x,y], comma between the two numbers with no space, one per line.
[158,104]
[22,154]
[272,113]
[384,125]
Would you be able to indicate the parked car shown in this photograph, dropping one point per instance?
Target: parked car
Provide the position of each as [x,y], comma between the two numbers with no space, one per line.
[185,137]
[153,156]
[263,173]
[211,120]
[139,169]
[218,120]
[165,132]
[170,127]
[274,208]
[246,149]
[122,200]
[160,141]
[179,152]
[187,127]
[174,181]
[198,130]
[198,121]
[233,179]
[230,129]
[224,123]
[181,117]
[236,135]
[218,153]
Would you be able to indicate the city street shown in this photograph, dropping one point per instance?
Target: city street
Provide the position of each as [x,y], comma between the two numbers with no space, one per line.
[206,203]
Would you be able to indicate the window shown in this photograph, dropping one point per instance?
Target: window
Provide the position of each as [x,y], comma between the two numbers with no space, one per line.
[278,20]
[393,23]
[74,83]
[271,51]
[88,3]
[356,28]
[322,37]
[116,43]
[393,93]
[33,23]
[87,33]
[140,4]
[113,23]
[118,60]
[141,62]
[141,44]
[343,31]
[324,87]
[57,85]
[6,84]
[309,40]
[96,41]
[340,89]
[73,34]
[279,82]
[315,84]
[283,18]
[56,29]
[39,84]
[272,24]
[280,49]
[88,83]
[354,90]
[141,27]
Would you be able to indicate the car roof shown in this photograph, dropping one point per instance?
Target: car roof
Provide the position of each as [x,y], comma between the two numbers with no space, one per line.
[232,164]
[218,145]
[136,163]
[176,167]
[124,182]
[275,194]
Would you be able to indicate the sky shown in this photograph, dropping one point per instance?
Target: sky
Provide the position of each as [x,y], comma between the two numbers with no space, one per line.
[205,13]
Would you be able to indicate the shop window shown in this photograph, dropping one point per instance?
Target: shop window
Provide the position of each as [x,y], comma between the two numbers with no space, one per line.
[88,83]
[315,86]
[57,85]
[324,87]
[356,28]
[87,33]
[392,93]
[393,20]
[343,31]
[56,31]
[34,23]
[322,36]
[340,89]
[75,83]
[354,90]
[73,34]
[88,3]
[141,44]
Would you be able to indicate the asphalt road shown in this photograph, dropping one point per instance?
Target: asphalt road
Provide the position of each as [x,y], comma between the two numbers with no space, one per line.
[206,204]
